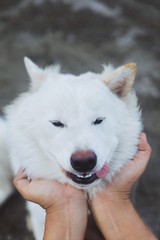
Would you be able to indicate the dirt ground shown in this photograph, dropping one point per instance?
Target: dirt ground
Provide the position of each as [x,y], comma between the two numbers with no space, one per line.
[82,35]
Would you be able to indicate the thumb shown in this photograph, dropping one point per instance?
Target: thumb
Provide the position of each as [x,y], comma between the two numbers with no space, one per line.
[144,152]
[29,190]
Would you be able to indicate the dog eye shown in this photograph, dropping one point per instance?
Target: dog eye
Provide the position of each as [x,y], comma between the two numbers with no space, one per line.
[58,124]
[98,121]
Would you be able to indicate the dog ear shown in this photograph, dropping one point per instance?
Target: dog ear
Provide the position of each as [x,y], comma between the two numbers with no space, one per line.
[35,73]
[120,80]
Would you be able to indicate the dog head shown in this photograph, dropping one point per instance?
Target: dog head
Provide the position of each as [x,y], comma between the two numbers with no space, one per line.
[78,129]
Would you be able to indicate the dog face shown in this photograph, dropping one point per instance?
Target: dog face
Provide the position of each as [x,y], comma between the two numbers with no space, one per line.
[74,126]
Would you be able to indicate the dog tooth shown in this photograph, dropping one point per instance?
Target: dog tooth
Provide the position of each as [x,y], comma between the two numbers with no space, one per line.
[80,176]
[86,176]
[89,175]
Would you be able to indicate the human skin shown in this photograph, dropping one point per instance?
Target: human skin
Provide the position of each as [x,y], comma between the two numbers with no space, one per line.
[67,207]
[113,210]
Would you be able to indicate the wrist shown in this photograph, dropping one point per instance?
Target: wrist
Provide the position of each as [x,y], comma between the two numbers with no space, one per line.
[119,218]
[117,199]
[54,228]
[67,221]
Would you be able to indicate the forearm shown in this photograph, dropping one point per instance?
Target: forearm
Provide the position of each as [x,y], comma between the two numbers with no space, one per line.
[120,222]
[66,224]
[54,228]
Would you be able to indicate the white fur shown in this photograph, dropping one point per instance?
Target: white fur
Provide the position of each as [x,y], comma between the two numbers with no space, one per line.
[5,167]
[44,151]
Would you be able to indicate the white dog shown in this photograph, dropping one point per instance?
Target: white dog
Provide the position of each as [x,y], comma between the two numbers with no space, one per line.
[75,129]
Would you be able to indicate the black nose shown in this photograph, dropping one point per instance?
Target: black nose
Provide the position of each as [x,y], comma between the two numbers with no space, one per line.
[83,161]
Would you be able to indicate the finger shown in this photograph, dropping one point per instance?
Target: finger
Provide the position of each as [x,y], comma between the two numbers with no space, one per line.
[136,167]
[142,157]
[144,149]
[31,190]
[144,145]
[45,192]
[28,189]
[19,176]
[21,182]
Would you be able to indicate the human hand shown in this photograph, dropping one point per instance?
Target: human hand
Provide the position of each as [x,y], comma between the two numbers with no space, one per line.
[120,186]
[112,209]
[66,207]
[46,193]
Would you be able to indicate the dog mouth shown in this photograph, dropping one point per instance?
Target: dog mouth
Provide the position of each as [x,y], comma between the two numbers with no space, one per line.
[88,178]
[83,178]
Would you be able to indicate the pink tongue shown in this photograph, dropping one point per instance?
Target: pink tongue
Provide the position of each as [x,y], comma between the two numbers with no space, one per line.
[103,172]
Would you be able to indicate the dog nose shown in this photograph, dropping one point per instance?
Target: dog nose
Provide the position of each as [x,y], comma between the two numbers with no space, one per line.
[83,161]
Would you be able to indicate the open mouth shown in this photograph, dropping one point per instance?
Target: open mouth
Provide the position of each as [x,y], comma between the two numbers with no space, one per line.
[88,178]
[83,178]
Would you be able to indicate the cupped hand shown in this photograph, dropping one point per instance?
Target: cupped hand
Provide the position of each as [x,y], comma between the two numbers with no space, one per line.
[47,193]
[125,179]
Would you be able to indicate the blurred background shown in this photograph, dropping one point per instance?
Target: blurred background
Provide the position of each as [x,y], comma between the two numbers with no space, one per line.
[81,35]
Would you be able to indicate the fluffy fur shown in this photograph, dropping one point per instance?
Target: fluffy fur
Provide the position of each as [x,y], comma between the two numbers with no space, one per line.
[44,150]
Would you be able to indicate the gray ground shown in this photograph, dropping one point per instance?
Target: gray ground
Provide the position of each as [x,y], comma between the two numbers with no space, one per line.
[80,39]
